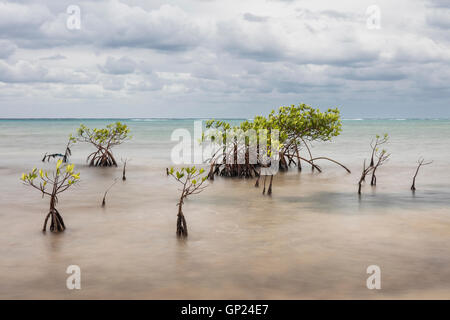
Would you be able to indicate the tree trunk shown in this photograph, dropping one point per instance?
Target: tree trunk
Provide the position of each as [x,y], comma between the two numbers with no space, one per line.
[182,231]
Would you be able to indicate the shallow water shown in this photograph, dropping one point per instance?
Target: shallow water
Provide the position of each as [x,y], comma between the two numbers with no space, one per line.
[313,238]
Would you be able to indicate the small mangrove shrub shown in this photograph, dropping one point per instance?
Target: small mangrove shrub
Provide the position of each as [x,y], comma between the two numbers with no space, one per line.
[103,140]
[52,184]
[192,182]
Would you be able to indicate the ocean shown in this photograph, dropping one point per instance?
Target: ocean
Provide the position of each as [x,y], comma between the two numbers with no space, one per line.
[314,237]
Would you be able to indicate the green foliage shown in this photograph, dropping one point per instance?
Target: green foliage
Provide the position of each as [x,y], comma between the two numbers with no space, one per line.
[113,134]
[299,122]
[295,124]
[57,181]
[190,178]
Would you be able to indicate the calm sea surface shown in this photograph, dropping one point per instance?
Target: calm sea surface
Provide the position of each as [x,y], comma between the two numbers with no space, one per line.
[313,238]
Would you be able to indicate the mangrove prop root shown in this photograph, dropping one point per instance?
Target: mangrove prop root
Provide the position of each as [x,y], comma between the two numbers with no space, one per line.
[334,161]
[312,164]
[182,231]
[101,158]
[56,221]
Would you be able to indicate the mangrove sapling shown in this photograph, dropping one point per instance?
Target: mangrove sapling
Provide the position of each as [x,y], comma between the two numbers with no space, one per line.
[106,192]
[61,179]
[192,183]
[64,157]
[103,139]
[421,162]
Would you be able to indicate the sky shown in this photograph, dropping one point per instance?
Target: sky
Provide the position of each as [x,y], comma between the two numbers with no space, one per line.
[233,59]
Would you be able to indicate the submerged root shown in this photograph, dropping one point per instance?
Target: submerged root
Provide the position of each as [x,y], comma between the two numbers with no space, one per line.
[101,158]
[182,231]
[233,170]
[56,222]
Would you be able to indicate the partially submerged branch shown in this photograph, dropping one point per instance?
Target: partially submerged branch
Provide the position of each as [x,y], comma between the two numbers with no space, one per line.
[106,192]
[124,169]
[64,157]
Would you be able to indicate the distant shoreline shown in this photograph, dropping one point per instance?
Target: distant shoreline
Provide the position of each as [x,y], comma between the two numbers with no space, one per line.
[171,119]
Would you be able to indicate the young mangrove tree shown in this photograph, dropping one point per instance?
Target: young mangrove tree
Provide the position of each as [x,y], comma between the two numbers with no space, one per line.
[192,182]
[51,185]
[103,140]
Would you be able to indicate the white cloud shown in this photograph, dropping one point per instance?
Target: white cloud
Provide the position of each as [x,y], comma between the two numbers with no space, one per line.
[250,55]
[122,65]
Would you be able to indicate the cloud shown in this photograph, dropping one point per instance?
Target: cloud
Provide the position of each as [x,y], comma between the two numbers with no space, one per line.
[7,48]
[122,65]
[54,57]
[105,24]
[254,18]
[239,59]
[29,72]
[22,20]
[439,18]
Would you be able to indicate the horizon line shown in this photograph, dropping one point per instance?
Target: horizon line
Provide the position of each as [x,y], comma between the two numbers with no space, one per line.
[203,118]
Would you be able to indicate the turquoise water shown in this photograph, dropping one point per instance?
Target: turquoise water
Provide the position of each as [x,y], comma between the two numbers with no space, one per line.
[151,142]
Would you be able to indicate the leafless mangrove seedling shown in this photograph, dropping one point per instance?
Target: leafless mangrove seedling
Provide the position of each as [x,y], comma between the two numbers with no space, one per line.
[52,184]
[124,168]
[192,182]
[421,162]
[106,192]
